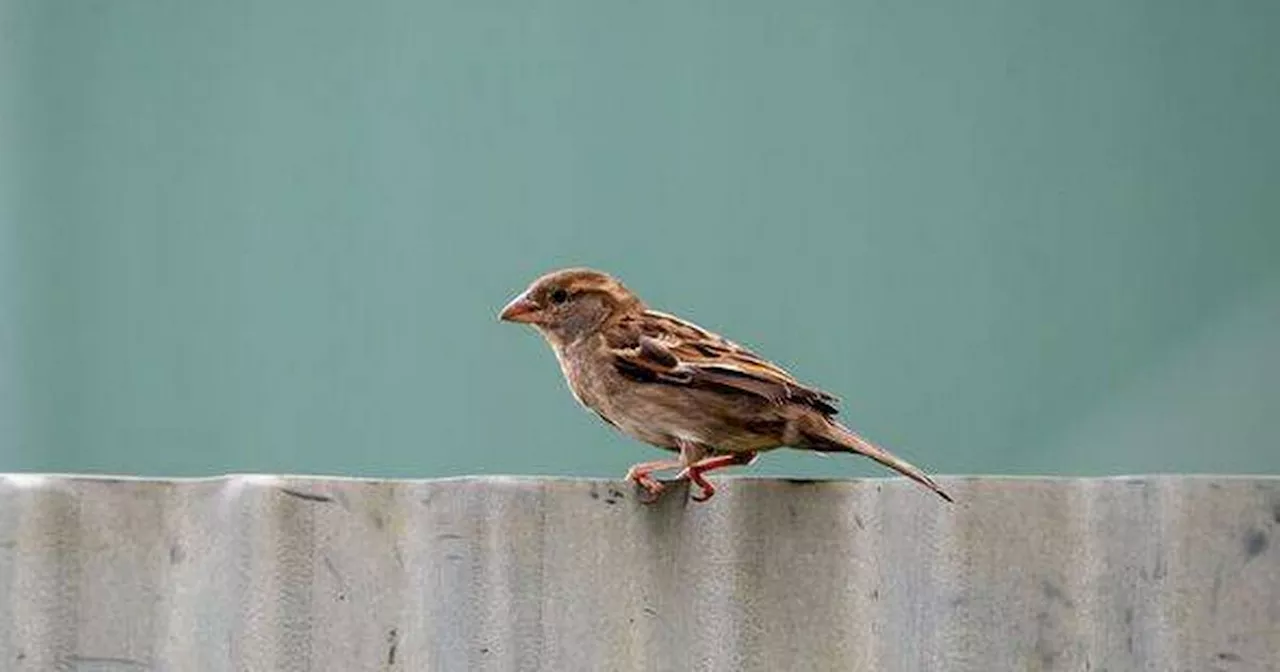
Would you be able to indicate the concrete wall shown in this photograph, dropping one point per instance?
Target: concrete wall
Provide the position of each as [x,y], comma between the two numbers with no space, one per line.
[267,573]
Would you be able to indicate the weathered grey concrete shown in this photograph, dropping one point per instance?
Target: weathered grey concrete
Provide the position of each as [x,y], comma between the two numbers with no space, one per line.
[265,573]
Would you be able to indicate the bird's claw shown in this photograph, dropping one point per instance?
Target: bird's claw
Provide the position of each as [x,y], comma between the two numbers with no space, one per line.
[651,495]
[695,476]
[651,486]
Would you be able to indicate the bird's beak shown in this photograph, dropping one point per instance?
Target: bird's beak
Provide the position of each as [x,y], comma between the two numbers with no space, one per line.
[521,309]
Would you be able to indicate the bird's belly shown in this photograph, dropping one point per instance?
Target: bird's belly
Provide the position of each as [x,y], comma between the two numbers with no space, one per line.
[667,415]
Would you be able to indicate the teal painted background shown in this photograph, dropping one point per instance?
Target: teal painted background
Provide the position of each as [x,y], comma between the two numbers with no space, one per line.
[1014,236]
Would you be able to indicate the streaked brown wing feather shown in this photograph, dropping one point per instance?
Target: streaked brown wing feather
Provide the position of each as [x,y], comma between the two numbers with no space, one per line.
[660,348]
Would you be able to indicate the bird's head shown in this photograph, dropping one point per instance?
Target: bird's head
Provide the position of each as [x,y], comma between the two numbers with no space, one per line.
[568,304]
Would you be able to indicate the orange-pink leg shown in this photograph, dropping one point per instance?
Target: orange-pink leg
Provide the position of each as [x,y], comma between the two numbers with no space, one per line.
[694,472]
[640,474]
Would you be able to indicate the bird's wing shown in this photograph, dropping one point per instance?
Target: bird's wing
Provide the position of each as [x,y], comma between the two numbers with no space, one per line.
[660,348]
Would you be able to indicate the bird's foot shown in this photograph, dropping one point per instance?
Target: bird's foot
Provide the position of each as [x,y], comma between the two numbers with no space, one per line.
[652,490]
[695,476]
[708,490]
[694,472]
[651,486]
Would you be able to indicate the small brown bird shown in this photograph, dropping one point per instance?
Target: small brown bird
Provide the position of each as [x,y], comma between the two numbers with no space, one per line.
[677,386]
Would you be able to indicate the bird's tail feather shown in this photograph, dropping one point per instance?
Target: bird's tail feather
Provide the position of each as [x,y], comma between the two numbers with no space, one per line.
[835,437]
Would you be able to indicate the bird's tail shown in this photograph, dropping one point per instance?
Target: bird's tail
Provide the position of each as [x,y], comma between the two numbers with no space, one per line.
[831,436]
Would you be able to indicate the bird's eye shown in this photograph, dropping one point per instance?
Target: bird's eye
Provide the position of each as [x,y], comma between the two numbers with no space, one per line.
[559,296]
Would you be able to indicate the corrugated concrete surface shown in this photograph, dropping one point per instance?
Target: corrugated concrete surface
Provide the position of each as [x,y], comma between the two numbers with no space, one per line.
[266,573]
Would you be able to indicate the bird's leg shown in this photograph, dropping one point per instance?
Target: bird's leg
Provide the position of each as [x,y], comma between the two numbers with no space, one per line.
[694,472]
[640,474]
[691,452]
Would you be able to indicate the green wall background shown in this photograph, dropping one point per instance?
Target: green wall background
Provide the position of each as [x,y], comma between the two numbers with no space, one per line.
[1014,236]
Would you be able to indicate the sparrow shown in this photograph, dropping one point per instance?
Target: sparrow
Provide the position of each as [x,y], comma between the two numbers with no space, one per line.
[677,386]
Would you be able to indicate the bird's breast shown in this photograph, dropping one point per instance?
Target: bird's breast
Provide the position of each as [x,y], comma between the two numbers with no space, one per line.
[573,375]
